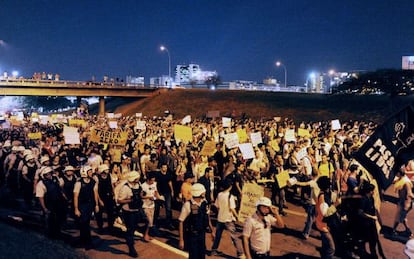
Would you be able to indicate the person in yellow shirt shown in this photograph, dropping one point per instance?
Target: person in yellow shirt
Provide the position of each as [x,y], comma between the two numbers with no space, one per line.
[325,167]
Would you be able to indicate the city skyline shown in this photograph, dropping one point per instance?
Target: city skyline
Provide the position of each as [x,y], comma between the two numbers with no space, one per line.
[241,40]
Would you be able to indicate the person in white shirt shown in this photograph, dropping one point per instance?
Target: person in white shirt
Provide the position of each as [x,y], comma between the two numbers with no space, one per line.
[226,218]
[150,195]
[257,229]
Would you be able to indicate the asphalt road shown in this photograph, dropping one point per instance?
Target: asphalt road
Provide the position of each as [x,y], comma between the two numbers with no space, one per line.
[25,237]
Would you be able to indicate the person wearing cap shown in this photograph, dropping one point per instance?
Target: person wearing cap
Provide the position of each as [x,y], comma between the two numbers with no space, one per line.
[106,197]
[85,201]
[130,198]
[257,229]
[226,218]
[28,173]
[51,199]
[69,180]
[193,223]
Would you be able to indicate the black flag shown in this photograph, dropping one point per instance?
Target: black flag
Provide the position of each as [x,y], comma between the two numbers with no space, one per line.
[389,147]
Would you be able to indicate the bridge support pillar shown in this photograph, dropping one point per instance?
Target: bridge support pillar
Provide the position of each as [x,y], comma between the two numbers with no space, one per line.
[101,105]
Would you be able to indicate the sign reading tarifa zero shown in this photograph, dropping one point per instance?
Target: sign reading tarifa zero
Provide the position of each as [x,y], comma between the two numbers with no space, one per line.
[114,137]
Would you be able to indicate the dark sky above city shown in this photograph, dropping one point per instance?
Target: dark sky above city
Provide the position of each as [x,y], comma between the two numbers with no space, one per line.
[240,39]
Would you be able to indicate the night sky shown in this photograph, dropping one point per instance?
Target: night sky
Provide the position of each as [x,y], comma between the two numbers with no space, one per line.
[240,39]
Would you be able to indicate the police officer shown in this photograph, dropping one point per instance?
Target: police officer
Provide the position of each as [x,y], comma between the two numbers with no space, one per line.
[85,199]
[194,221]
[28,173]
[106,197]
[130,197]
[257,229]
[51,200]
[69,180]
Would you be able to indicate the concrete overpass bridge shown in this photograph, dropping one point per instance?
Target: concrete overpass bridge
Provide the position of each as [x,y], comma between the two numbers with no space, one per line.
[30,87]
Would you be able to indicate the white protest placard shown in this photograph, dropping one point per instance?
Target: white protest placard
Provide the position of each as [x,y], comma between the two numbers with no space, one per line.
[44,119]
[110,115]
[113,124]
[247,150]
[301,153]
[138,114]
[251,193]
[118,115]
[71,135]
[186,119]
[226,122]
[141,125]
[256,138]
[231,140]
[290,135]
[335,124]
[277,119]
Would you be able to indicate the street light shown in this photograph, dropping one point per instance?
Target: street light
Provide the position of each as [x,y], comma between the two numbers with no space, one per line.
[278,64]
[163,48]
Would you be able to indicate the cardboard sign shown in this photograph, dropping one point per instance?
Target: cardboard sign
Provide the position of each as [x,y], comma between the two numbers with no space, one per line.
[109,136]
[335,125]
[138,114]
[256,138]
[247,150]
[282,178]
[231,140]
[183,133]
[113,124]
[303,133]
[209,148]
[71,135]
[226,122]
[290,135]
[241,133]
[251,193]
[141,125]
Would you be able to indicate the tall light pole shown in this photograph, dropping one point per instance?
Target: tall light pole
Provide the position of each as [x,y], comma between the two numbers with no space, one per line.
[163,48]
[280,64]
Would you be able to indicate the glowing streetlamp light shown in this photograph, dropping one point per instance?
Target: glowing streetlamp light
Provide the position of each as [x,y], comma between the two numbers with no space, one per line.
[280,64]
[163,48]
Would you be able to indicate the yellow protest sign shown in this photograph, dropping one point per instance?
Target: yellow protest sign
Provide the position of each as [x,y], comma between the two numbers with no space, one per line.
[282,178]
[242,134]
[116,155]
[34,135]
[183,133]
[303,132]
[73,122]
[251,192]
[109,136]
[209,148]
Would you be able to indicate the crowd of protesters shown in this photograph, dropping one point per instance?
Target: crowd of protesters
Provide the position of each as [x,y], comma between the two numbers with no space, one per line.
[154,171]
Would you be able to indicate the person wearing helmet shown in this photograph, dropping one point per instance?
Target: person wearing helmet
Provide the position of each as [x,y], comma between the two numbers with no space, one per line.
[51,199]
[106,197]
[85,199]
[69,180]
[257,229]
[13,165]
[130,198]
[194,221]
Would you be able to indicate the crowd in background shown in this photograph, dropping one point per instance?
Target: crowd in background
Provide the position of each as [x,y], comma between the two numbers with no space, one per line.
[90,177]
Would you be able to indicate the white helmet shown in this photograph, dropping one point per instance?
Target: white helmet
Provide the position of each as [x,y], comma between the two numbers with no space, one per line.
[197,190]
[264,201]
[103,168]
[46,170]
[409,249]
[133,175]
[84,171]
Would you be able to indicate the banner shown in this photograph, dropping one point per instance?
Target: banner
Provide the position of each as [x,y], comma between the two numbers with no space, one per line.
[251,192]
[389,147]
[109,136]
[34,135]
[81,123]
[183,133]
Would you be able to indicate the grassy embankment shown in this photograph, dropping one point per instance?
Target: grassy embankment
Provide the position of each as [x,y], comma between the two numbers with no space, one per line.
[262,105]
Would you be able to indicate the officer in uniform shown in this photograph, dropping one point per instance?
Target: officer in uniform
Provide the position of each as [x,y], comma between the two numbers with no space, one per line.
[194,221]
[51,199]
[130,197]
[106,197]
[69,180]
[85,199]
[28,174]
[257,229]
